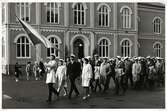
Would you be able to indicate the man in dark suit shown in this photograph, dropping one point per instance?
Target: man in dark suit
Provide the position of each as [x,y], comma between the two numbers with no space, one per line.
[73,71]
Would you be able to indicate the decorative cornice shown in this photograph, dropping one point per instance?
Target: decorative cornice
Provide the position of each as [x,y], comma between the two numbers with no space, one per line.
[106,33]
[51,30]
[82,32]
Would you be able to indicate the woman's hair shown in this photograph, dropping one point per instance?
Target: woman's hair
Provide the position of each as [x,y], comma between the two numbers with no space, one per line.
[86,60]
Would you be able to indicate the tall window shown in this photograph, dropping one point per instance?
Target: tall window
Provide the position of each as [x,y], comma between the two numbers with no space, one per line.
[126,17]
[79,14]
[52,13]
[125,48]
[157,50]
[23,11]
[23,47]
[103,16]
[53,51]
[3,13]
[3,46]
[103,48]
[157,25]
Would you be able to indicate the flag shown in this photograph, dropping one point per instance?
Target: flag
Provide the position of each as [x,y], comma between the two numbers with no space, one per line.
[34,36]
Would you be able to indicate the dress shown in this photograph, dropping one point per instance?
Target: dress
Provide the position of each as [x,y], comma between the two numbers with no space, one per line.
[61,75]
[51,75]
[136,69]
[86,75]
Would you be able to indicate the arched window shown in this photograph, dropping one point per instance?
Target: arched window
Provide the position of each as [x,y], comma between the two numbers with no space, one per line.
[79,14]
[157,25]
[53,51]
[103,16]
[3,46]
[52,12]
[103,48]
[125,48]
[23,11]
[23,47]
[157,49]
[126,13]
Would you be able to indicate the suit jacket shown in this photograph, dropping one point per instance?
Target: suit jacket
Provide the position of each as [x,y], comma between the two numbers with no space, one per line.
[74,70]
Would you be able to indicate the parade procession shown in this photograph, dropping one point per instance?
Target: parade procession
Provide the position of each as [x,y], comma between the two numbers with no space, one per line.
[114,54]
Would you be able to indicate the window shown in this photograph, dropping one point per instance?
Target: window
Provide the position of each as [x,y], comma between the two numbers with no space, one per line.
[53,51]
[126,17]
[3,46]
[103,48]
[23,47]
[157,49]
[52,13]
[125,48]
[157,25]
[103,16]
[79,14]
[23,11]
[3,13]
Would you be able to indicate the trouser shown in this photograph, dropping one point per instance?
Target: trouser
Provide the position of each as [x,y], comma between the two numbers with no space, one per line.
[91,84]
[120,83]
[86,91]
[73,87]
[129,76]
[106,86]
[28,75]
[51,90]
[97,84]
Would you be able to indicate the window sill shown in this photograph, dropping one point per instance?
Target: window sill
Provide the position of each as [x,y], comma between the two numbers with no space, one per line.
[23,57]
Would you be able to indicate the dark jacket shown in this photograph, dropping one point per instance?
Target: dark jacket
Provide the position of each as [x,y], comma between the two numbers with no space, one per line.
[74,70]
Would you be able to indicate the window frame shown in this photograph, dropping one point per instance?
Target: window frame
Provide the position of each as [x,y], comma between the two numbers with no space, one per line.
[58,43]
[155,24]
[56,7]
[25,6]
[124,54]
[107,45]
[157,49]
[124,15]
[29,43]
[84,14]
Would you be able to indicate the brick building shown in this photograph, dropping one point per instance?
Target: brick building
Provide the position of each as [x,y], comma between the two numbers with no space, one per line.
[109,29]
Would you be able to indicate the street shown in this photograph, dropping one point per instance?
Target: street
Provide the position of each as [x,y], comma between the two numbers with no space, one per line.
[33,94]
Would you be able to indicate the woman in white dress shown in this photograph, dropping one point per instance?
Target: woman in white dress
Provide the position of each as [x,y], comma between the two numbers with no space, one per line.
[86,77]
[61,76]
[51,77]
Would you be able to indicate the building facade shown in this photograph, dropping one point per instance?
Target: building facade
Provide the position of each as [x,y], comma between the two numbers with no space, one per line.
[109,29]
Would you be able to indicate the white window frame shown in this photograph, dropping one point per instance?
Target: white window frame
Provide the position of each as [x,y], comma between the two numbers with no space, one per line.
[108,13]
[25,7]
[29,43]
[84,7]
[126,16]
[157,25]
[107,44]
[56,7]
[125,51]
[157,50]
[58,43]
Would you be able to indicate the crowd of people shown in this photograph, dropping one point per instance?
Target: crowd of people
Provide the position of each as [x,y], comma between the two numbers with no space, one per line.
[96,73]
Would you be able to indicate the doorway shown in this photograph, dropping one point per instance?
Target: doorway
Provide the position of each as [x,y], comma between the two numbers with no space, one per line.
[78,48]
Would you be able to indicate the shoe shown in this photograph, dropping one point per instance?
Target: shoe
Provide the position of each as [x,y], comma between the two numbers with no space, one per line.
[65,94]
[84,98]
[88,95]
